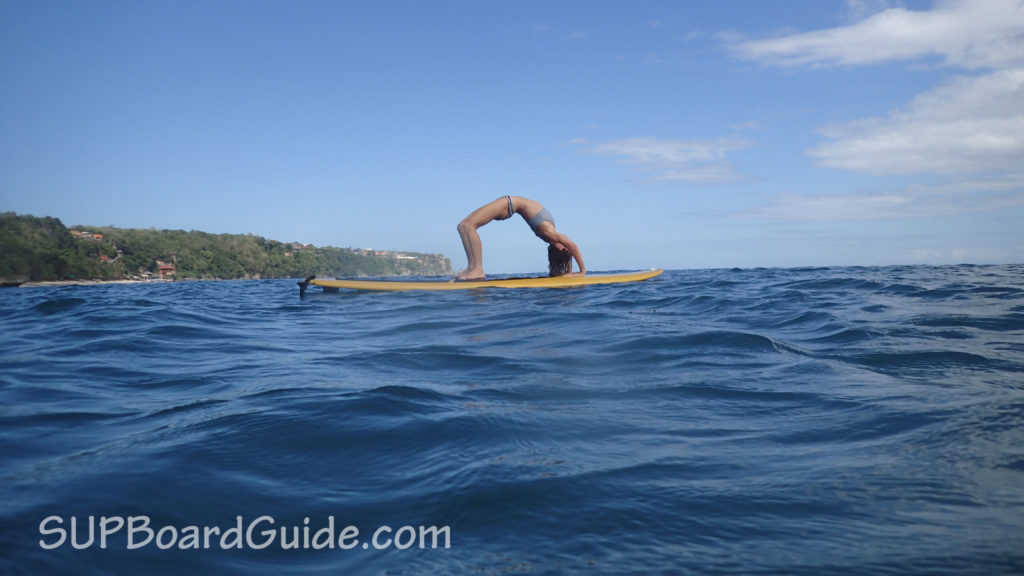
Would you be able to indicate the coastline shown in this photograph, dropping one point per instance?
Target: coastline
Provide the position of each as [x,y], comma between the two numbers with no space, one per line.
[44,283]
[99,282]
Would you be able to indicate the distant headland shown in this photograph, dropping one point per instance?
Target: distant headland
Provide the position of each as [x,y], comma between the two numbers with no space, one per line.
[42,249]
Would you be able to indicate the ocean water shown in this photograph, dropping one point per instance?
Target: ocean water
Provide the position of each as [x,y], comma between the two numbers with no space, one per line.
[766,421]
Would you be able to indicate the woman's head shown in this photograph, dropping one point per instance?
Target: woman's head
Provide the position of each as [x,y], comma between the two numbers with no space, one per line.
[559,261]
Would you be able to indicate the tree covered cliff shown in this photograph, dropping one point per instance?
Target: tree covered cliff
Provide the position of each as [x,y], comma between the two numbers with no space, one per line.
[34,248]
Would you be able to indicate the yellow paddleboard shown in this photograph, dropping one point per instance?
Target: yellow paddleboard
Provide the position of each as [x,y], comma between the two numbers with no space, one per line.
[537,282]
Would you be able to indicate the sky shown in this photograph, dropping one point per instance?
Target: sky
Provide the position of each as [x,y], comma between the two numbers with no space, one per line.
[669,134]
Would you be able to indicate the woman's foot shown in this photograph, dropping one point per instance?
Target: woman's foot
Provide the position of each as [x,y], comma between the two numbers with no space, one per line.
[470,275]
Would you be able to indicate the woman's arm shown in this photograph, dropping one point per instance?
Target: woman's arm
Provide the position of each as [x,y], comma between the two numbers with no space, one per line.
[574,250]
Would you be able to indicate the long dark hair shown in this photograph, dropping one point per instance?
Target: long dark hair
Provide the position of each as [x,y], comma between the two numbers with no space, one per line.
[559,261]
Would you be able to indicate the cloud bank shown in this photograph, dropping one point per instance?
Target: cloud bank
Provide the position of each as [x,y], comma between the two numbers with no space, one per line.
[681,161]
[969,124]
[969,129]
[968,33]
[912,202]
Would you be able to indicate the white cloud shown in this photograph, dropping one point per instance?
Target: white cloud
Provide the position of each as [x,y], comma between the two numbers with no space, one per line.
[967,33]
[967,125]
[916,201]
[861,9]
[832,207]
[684,161]
[957,255]
[575,36]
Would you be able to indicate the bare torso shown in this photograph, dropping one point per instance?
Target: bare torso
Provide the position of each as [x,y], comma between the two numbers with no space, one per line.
[525,207]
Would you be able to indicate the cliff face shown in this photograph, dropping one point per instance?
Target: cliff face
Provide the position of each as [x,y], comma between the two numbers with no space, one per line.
[33,248]
[41,249]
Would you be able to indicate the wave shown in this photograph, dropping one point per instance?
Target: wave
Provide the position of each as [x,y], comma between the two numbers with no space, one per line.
[800,421]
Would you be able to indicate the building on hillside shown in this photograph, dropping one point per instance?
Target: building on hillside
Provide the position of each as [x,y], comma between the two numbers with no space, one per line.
[165,270]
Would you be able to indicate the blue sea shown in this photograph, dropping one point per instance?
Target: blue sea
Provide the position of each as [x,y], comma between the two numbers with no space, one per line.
[756,421]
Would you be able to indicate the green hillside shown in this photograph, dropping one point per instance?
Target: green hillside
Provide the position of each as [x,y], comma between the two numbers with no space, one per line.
[34,248]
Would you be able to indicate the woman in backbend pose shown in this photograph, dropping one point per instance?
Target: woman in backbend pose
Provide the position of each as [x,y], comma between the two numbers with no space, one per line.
[561,250]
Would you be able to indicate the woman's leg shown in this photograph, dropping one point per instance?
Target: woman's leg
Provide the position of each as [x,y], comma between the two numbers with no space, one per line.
[496,210]
[474,252]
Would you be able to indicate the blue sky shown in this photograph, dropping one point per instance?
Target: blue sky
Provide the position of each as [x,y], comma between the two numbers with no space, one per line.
[659,134]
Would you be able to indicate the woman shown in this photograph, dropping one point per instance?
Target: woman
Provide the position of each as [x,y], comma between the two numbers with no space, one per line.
[561,250]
